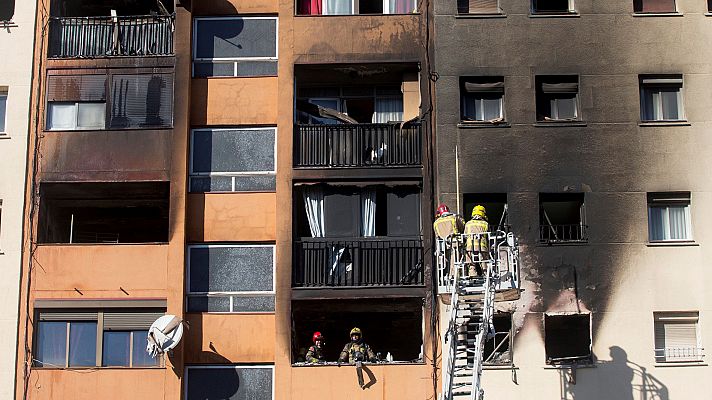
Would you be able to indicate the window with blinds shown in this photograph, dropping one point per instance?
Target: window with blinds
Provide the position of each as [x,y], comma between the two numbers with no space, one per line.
[92,338]
[553,6]
[482,99]
[661,98]
[677,337]
[654,6]
[478,7]
[114,101]
[669,217]
[557,98]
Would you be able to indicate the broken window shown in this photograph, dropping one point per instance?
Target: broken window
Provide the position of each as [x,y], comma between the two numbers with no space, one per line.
[377,319]
[677,337]
[365,104]
[230,278]
[567,338]
[235,46]
[557,98]
[553,6]
[233,160]
[350,7]
[482,99]
[661,98]
[562,218]
[498,347]
[229,382]
[478,7]
[654,6]
[134,212]
[495,207]
[669,216]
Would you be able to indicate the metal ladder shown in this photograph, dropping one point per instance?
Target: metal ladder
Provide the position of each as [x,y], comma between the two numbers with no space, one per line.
[470,324]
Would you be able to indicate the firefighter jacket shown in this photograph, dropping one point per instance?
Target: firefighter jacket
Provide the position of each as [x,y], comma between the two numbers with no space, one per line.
[448,225]
[350,350]
[475,226]
[314,355]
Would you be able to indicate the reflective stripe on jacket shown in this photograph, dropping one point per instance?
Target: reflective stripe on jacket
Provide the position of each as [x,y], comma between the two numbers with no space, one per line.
[447,225]
[475,226]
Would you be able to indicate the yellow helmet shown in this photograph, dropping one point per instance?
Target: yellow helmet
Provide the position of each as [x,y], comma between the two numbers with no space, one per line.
[480,211]
[355,331]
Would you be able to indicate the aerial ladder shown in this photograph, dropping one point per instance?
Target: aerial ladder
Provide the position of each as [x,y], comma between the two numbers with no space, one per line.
[472,306]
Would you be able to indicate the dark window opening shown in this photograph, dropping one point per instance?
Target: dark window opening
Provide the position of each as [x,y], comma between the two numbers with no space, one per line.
[552,6]
[389,326]
[495,206]
[102,8]
[567,338]
[557,98]
[562,218]
[654,6]
[497,348]
[104,212]
[370,7]
[477,7]
[7,10]
[709,5]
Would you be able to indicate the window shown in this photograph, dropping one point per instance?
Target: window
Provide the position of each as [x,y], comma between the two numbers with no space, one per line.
[495,205]
[7,10]
[229,382]
[351,7]
[562,218]
[661,98]
[497,347]
[677,337]
[478,7]
[231,278]
[669,217]
[567,338]
[482,99]
[233,160]
[709,6]
[84,338]
[557,98]
[3,110]
[235,46]
[654,6]
[367,104]
[138,101]
[553,6]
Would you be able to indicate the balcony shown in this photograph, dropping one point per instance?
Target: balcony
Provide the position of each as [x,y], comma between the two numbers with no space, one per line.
[358,262]
[570,233]
[114,36]
[357,145]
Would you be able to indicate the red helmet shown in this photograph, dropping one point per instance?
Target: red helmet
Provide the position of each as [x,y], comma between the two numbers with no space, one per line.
[317,336]
[442,209]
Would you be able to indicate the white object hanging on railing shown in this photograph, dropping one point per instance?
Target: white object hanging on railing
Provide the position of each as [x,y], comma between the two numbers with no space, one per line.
[164,335]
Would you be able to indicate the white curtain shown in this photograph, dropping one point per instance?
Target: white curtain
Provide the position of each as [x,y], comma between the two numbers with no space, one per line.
[337,7]
[669,223]
[314,205]
[678,222]
[368,212]
[388,110]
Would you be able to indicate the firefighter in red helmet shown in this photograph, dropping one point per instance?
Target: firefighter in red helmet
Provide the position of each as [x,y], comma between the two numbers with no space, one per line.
[315,353]
[448,228]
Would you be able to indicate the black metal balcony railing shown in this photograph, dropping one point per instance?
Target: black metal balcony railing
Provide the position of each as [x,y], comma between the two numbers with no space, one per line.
[358,262]
[135,36]
[357,145]
[571,233]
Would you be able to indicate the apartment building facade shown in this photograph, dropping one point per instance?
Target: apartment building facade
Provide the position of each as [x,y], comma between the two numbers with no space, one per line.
[16,40]
[583,127]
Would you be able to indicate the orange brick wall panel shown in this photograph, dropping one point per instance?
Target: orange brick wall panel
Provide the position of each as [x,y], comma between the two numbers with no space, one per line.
[234,101]
[232,217]
[230,338]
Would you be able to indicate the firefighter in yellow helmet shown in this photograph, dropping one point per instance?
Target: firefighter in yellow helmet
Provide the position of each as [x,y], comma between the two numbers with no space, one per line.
[477,247]
[356,349]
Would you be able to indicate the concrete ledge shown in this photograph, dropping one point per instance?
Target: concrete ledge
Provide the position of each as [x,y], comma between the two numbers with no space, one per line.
[664,123]
[480,16]
[673,14]
[562,15]
[483,125]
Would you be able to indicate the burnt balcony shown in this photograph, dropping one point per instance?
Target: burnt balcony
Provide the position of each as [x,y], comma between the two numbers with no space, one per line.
[358,262]
[111,36]
[357,145]
[567,233]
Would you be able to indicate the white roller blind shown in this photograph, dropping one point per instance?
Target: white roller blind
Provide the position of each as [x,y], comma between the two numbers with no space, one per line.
[483,6]
[676,338]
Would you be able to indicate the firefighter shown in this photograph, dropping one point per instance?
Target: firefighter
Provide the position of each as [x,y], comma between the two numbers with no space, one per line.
[356,350]
[315,353]
[448,227]
[477,248]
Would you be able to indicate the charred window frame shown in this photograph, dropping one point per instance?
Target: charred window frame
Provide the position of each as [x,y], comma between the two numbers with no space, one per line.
[498,348]
[244,381]
[669,217]
[220,51]
[366,103]
[109,100]
[557,98]
[482,99]
[661,98]
[495,206]
[233,160]
[654,6]
[478,7]
[556,7]
[568,338]
[91,338]
[230,278]
[562,218]
[677,337]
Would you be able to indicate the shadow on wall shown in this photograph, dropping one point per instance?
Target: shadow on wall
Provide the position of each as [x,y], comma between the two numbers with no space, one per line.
[617,379]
